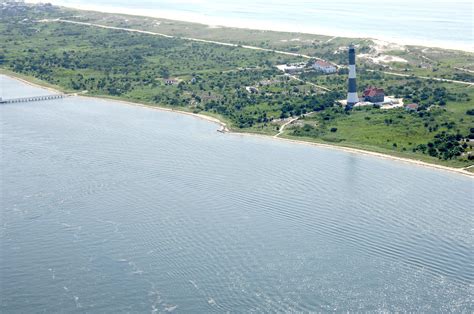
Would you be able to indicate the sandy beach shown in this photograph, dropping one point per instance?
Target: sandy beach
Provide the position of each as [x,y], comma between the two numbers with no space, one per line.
[213,22]
[223,128]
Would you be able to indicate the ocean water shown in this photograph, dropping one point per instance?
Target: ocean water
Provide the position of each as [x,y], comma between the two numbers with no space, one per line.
[110,208]
[433,23]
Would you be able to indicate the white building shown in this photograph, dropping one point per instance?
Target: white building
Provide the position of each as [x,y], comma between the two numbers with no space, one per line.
[251,90]
[292,67]
[324,66]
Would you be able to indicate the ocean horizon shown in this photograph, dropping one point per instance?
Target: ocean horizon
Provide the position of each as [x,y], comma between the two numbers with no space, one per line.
[444,24]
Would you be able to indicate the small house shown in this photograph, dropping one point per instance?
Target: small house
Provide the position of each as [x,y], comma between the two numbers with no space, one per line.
[170,81]
[324,67]
[292,67]
[411,107]
[373,94]
[252,89]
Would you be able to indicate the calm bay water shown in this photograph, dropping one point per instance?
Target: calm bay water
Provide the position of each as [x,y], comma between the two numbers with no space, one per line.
[114,208]
[427,22]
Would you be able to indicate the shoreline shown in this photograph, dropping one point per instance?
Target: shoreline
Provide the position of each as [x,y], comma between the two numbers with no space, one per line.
[224,129]
[213,22]
[50,89]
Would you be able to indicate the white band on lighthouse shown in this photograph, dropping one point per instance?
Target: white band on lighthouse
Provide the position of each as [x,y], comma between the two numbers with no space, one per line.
[352,98]
[352,71]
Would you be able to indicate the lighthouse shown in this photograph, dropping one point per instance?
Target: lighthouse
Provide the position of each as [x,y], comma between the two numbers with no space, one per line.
[352,98]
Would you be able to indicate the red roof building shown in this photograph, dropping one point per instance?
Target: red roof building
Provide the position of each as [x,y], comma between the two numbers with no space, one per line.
[411,107]
[374,94]
[324,66]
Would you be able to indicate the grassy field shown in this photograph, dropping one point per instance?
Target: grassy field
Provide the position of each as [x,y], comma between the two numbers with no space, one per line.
[434,62]
[214,79]
[395,131]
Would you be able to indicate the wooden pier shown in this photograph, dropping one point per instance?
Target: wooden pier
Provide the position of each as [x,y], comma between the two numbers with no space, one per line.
[32,98]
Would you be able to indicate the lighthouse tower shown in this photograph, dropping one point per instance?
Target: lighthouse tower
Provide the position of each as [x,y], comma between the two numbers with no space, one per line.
[352,98]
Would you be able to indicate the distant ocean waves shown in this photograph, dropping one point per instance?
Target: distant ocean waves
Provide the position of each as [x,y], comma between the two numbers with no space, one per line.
[431,23]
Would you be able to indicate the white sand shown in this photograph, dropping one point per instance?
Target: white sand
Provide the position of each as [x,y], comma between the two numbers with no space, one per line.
[377,59]
[249,24]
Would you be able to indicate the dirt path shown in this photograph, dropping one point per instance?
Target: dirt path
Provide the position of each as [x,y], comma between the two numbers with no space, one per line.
[312,84]
[468,167]
[290,121]
[465,70]
[234,45]
[426,78]
[282,128]
[133,30]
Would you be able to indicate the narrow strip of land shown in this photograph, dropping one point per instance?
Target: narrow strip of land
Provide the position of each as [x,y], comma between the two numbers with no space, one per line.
[465,171]
[236,45]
